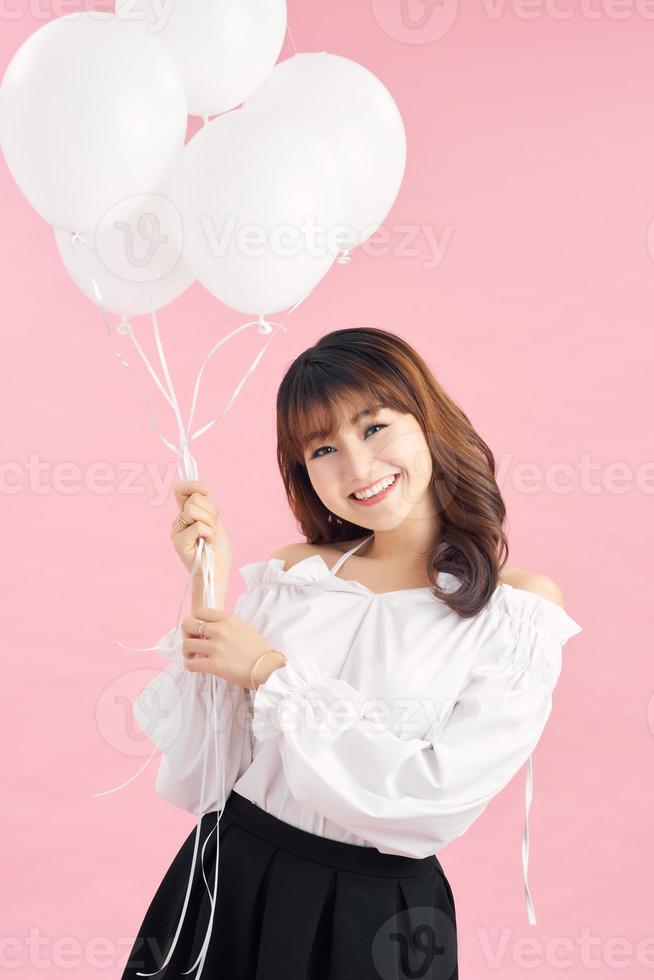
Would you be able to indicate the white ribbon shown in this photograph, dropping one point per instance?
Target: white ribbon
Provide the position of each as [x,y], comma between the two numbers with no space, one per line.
[187,469]
[531,915]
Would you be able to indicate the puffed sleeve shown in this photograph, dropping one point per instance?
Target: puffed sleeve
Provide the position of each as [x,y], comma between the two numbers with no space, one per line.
[201,725]
[413,796]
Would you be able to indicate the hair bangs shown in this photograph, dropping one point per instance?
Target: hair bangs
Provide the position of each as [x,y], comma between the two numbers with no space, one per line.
[320,406]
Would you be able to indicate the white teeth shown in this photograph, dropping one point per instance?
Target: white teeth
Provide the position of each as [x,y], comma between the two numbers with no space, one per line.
[378,487]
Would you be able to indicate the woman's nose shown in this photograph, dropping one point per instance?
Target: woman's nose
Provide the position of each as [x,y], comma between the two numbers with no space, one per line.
[358,471]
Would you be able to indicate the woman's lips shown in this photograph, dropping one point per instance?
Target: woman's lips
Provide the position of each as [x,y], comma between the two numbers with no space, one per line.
[379,496]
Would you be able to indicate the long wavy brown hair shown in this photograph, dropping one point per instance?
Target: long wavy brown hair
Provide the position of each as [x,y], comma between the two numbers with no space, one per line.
[377,364]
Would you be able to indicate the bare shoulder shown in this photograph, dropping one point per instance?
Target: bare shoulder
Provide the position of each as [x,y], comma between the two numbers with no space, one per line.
[521,578]
[291,554]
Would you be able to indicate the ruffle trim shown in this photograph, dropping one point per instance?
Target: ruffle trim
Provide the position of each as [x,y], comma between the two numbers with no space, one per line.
[257,573]
[520,607]
[314,568]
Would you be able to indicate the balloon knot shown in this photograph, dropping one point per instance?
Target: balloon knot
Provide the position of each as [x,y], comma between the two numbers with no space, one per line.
[124,327]
[264,326]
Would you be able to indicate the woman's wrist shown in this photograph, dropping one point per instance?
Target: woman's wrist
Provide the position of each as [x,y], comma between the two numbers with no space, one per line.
[197,595]
[263,667]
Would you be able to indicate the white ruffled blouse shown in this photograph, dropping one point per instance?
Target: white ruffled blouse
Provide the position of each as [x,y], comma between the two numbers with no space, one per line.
[394,722]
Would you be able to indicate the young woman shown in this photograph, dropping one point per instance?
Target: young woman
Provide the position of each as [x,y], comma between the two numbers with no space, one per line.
[396,671]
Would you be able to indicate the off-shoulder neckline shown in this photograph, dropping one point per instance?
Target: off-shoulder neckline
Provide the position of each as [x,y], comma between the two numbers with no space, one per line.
[314,569]
[353,581]
[505,600]
[330,574]
[442,577]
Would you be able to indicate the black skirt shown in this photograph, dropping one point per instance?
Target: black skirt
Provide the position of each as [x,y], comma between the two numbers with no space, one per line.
[291,905]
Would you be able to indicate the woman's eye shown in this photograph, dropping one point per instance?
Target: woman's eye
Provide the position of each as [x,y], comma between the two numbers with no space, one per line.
[377,425]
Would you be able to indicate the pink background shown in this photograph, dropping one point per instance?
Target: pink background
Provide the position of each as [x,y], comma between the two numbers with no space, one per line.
[531,149]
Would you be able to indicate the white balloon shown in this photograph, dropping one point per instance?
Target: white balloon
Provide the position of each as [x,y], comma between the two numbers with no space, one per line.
[260,196]
[223,48]
[358,115]
[91,112]
[134,256]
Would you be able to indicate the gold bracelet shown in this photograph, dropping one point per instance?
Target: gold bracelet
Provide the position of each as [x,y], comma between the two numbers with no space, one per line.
[253,686]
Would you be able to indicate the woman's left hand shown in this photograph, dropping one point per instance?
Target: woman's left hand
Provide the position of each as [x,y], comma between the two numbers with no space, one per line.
[229,647]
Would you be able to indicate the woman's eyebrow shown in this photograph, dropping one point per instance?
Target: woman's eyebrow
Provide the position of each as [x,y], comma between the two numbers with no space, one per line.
[324,433]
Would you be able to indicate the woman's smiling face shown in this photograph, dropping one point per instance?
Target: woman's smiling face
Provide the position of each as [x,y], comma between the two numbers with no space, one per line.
[374,445]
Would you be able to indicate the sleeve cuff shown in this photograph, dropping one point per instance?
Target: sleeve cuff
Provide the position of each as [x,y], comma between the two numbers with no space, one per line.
[285,686]
[296,694]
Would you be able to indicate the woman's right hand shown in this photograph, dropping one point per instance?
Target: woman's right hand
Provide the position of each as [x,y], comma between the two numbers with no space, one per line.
[200,514]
